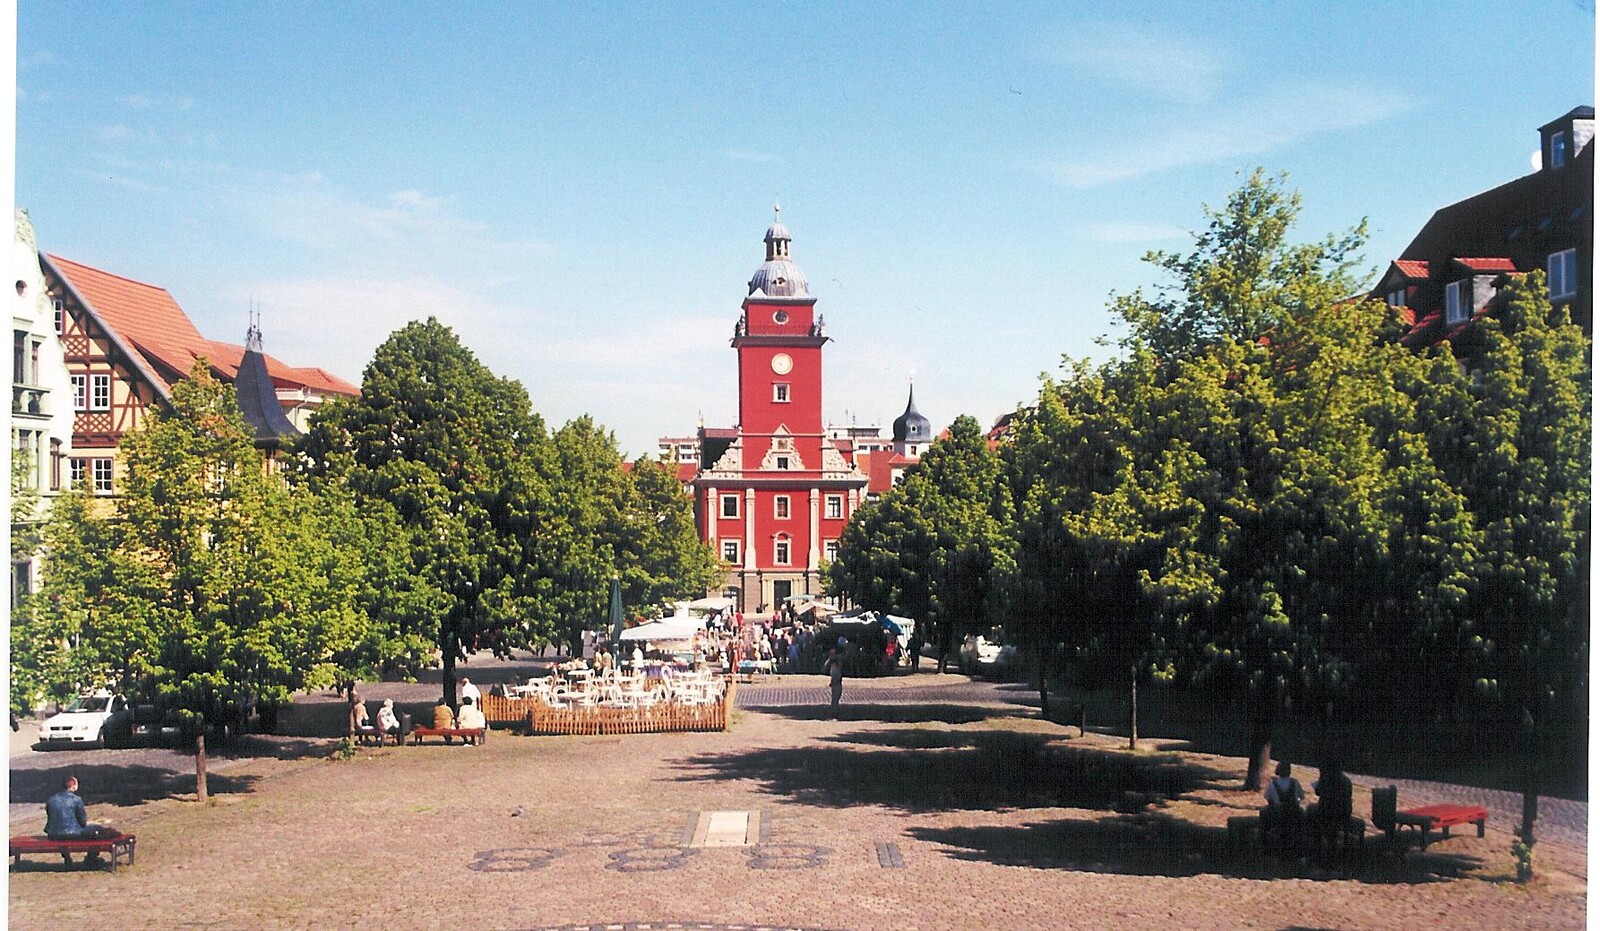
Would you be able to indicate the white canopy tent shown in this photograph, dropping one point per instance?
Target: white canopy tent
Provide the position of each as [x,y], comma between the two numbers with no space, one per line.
[677,627]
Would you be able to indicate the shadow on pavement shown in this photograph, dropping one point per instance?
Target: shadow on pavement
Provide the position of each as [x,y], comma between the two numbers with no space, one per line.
[893,714]
[112,784]
[1151,843]
[925,769]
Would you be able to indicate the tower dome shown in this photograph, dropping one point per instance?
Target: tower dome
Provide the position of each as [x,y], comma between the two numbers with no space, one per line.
[778,276]
[912,427]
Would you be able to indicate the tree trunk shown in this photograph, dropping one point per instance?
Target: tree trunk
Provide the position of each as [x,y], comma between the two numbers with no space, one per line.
[1263,715]
[1044,693]
[1530,781]
[1133,707]
[447,673]
[200,765]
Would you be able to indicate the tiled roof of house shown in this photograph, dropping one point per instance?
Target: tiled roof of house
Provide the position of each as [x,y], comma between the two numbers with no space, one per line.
[880,466]
[145,316]
[1412,268]
[148,319]
[1486,264]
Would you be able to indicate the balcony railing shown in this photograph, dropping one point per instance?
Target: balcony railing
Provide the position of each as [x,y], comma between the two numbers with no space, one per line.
[30,399]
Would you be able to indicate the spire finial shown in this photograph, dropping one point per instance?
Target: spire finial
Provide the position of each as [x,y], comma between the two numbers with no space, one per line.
[252,334]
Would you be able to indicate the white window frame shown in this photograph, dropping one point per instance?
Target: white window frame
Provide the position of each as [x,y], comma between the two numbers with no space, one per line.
[833,507]
[1562,271]
[77,471]
[780,392]
[99,392]
[80,392]
[783,462]
[1397,297]
[726,500]
[1457,301]
[780,507]
[61,315]
[830,550]
[100,468]
[1559,145]
[730,551]
[780,551]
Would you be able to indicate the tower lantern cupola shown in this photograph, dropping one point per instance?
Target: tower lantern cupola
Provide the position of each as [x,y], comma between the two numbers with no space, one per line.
[778,276]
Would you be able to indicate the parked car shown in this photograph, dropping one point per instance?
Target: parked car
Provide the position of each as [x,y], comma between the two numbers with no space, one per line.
[83,722]
[979,656]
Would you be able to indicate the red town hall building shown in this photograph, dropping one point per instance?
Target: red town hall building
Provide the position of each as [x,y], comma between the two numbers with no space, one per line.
[773,494]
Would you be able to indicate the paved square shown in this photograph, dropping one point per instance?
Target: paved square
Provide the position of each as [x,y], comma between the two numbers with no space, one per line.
[923,815]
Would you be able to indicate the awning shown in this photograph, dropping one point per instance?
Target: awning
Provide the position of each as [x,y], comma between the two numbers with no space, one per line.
[711,604]
[673,628]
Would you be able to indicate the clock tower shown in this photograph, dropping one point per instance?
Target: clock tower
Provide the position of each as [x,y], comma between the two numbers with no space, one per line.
[774,493]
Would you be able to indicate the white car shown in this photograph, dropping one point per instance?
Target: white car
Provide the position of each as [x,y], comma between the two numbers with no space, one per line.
[82,723]
[981,656]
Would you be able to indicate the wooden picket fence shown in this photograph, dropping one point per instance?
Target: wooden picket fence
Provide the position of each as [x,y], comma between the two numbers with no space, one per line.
[661,717]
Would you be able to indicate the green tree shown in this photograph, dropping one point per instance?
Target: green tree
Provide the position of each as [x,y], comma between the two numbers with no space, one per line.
[1519,436]
[936,545]
[460,456]
[208,586]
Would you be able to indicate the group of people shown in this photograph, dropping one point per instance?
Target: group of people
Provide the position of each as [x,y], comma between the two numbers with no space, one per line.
[1286,825]
[470,716]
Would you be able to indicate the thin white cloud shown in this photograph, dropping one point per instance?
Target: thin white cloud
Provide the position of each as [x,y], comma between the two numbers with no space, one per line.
[1133,232]
[1149,58]
[1249,127]
[137,101]
[39,59]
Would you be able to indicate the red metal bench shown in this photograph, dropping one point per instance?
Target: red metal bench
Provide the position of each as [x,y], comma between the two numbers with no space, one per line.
[1443,816]
[475,735]
[113,847]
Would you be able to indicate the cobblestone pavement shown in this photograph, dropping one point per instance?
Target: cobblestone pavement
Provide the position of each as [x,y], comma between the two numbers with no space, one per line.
[928,806]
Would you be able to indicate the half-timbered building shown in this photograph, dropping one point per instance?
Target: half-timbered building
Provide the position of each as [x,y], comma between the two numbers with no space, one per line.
[126,343]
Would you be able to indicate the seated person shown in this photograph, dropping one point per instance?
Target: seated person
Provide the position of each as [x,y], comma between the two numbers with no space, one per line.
[471,716]
[65,818]
[387,722]
[1282,817]
[1332,812]
[358,714]
[443,717]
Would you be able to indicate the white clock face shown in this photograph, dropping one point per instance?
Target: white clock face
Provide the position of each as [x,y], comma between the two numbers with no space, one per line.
[781,363]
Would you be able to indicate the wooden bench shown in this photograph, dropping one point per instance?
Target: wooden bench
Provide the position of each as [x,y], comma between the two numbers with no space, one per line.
[113,847]
[1444,816]
[472,735]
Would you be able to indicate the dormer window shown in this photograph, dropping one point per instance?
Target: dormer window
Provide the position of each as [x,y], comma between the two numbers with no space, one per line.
[1559,143]
[1456,293]
[1562,269]
[1397,297]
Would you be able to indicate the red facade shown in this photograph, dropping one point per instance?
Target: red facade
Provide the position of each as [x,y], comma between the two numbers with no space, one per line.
[773,495]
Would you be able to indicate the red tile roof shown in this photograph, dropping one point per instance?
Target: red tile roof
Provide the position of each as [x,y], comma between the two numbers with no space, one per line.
[880,467]
[151,322]
[226,356]
[1487,264]
[145,316]
[1412,268]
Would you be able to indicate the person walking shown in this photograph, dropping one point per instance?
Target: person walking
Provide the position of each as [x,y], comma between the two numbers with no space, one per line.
[835,666]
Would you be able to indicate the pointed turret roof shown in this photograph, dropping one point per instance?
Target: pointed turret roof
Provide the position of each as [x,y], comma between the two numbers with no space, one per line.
[912,427]
[258,400]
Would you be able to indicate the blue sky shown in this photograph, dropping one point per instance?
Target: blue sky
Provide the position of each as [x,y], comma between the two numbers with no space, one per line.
[580,190]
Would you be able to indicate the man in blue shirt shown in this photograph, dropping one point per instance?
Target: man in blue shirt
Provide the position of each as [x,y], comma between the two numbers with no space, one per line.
[65,818]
